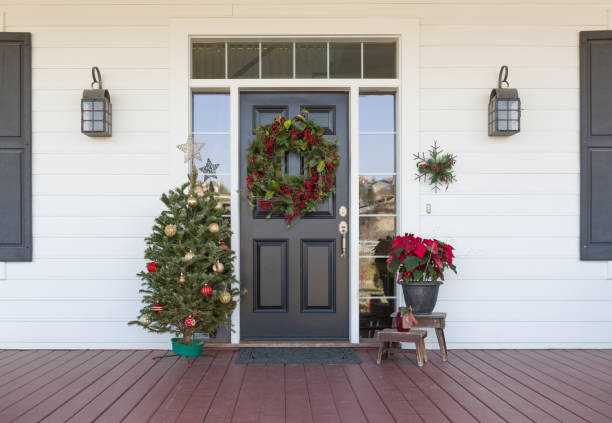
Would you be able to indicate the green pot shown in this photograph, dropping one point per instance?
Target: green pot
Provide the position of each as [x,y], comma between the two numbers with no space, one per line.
[187,350]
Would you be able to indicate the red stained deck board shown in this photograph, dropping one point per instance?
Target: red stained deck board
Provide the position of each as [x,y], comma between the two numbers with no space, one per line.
[478,392]
[115,391]
[199,402]
[108,386]
[60,383]
[224,403]
[174,403]
[83,398]
[496,387]
[371,404]
[387,390]
[129,399]
[345,399]
[577,369]
[296,395]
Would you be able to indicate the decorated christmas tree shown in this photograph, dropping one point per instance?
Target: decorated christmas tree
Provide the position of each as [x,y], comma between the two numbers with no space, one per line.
[188,284]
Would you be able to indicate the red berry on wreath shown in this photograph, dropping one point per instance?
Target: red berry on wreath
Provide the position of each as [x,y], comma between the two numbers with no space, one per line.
[152,267]
[190,322]
[157,307]
[206,290]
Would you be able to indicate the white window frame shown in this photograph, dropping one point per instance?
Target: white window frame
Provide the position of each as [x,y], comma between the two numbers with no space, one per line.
[406,87]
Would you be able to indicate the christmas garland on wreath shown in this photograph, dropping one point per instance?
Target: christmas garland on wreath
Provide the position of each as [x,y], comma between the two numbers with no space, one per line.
[287,195]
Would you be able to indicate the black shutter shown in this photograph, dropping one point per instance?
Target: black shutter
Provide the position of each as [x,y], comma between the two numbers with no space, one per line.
[15,147]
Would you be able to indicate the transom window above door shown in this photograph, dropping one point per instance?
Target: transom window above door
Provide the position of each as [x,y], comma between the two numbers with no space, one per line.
[294,59]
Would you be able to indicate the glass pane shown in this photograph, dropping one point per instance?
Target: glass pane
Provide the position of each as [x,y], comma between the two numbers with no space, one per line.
[377,194]
[502,104]
[98,126]
[216,149]
[98,105]
[379,60]
[208,60]
[502,125]
[243,60]
[377,153]
[211,113]
[513,125]
[345,60]
[513,104]
[374,315]
[374,278]
[87,105]
[311,60]
[220,185]
[376,112]
[277,60]
[87,115]
[375,234]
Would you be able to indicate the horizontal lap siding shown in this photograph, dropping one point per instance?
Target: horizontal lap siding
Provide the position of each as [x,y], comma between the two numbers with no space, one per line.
[513,214]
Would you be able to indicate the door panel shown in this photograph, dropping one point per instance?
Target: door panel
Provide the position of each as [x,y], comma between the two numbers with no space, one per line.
[296,278]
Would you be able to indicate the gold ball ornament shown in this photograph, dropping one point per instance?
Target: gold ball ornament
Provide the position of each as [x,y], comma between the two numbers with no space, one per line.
[192,201]
[218,206]
[181,278]
[189,256]
[145,320]
[218,267]
[225,297]
[170,230]
[213,228]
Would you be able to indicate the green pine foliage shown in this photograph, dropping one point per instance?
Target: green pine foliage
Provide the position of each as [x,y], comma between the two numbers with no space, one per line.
[181,300]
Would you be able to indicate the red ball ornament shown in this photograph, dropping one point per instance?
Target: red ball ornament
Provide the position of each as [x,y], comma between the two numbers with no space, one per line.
[223,245]
[152,267]
[206,290]
[190,322]
[157,307]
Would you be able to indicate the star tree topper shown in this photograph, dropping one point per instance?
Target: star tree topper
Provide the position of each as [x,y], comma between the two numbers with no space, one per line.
[209,170]
[191,149]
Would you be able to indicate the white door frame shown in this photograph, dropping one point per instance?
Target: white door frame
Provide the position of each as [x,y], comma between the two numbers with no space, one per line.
[406,31]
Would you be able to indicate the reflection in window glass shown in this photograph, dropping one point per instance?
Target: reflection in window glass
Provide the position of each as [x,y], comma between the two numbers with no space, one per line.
[243,60]
[379,60]
[377,153]
[377,211]
[216,148]
[277,60]
[211,113]
[345,60]
[208,60]
[311,60]
[377,194]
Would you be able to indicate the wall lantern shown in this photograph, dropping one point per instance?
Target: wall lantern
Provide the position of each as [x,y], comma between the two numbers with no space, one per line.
[96,108]
[504,108]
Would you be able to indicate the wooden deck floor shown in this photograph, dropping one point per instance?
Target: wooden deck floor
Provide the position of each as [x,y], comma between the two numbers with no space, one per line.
[474,385]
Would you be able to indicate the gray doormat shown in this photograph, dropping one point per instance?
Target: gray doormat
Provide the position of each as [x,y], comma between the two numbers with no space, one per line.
[306,355]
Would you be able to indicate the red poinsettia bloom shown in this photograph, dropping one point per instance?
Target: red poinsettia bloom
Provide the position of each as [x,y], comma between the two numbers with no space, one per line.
[152,266]
[414,258]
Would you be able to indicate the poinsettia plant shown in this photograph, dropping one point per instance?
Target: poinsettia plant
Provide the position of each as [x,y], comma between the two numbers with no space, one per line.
[417,259]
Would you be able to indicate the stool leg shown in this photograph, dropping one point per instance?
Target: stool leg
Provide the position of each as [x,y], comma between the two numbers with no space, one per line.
[386,350]
[442,343]
[380,353]
[423,351]
[419,354]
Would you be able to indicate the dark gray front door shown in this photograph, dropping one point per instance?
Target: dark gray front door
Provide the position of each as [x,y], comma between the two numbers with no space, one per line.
[296,278]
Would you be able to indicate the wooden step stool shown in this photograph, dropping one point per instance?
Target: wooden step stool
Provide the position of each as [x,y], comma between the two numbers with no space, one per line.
[389,338]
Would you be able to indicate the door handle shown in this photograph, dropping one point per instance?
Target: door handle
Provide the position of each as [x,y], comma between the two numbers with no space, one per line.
[343,229]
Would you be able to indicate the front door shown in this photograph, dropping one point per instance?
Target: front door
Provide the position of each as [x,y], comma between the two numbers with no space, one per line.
[297,278]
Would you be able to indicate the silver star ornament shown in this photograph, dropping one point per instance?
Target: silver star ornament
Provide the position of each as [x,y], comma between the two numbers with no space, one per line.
[209,170]
[191,149]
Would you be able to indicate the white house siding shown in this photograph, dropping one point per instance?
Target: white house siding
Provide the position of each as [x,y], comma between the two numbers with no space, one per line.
[513,214]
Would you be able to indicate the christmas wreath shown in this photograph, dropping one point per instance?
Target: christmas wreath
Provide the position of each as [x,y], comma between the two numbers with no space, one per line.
[281,194]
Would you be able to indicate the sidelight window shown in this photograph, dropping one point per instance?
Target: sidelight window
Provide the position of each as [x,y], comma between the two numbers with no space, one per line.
[377,210]
[294,59]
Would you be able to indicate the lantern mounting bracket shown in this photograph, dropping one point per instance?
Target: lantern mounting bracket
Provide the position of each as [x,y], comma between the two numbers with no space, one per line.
[503,71]
[97,77]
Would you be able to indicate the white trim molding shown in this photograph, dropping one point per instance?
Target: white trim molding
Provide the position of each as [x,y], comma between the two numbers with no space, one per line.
[406,31]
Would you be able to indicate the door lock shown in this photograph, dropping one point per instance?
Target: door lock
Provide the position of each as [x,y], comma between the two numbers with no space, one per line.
[343,229]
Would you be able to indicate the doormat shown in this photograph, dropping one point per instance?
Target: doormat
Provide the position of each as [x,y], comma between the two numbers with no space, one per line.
[306,355]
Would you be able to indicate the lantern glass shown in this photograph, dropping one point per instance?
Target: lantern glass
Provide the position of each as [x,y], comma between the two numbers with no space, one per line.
[96,113]
[504,113]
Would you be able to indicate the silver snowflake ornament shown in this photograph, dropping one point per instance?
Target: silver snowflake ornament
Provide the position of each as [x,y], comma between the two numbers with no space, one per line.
[209,170]
[191,149]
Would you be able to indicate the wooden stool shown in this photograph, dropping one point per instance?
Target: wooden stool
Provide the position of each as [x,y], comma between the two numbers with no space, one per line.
[391,338]
[438,322]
